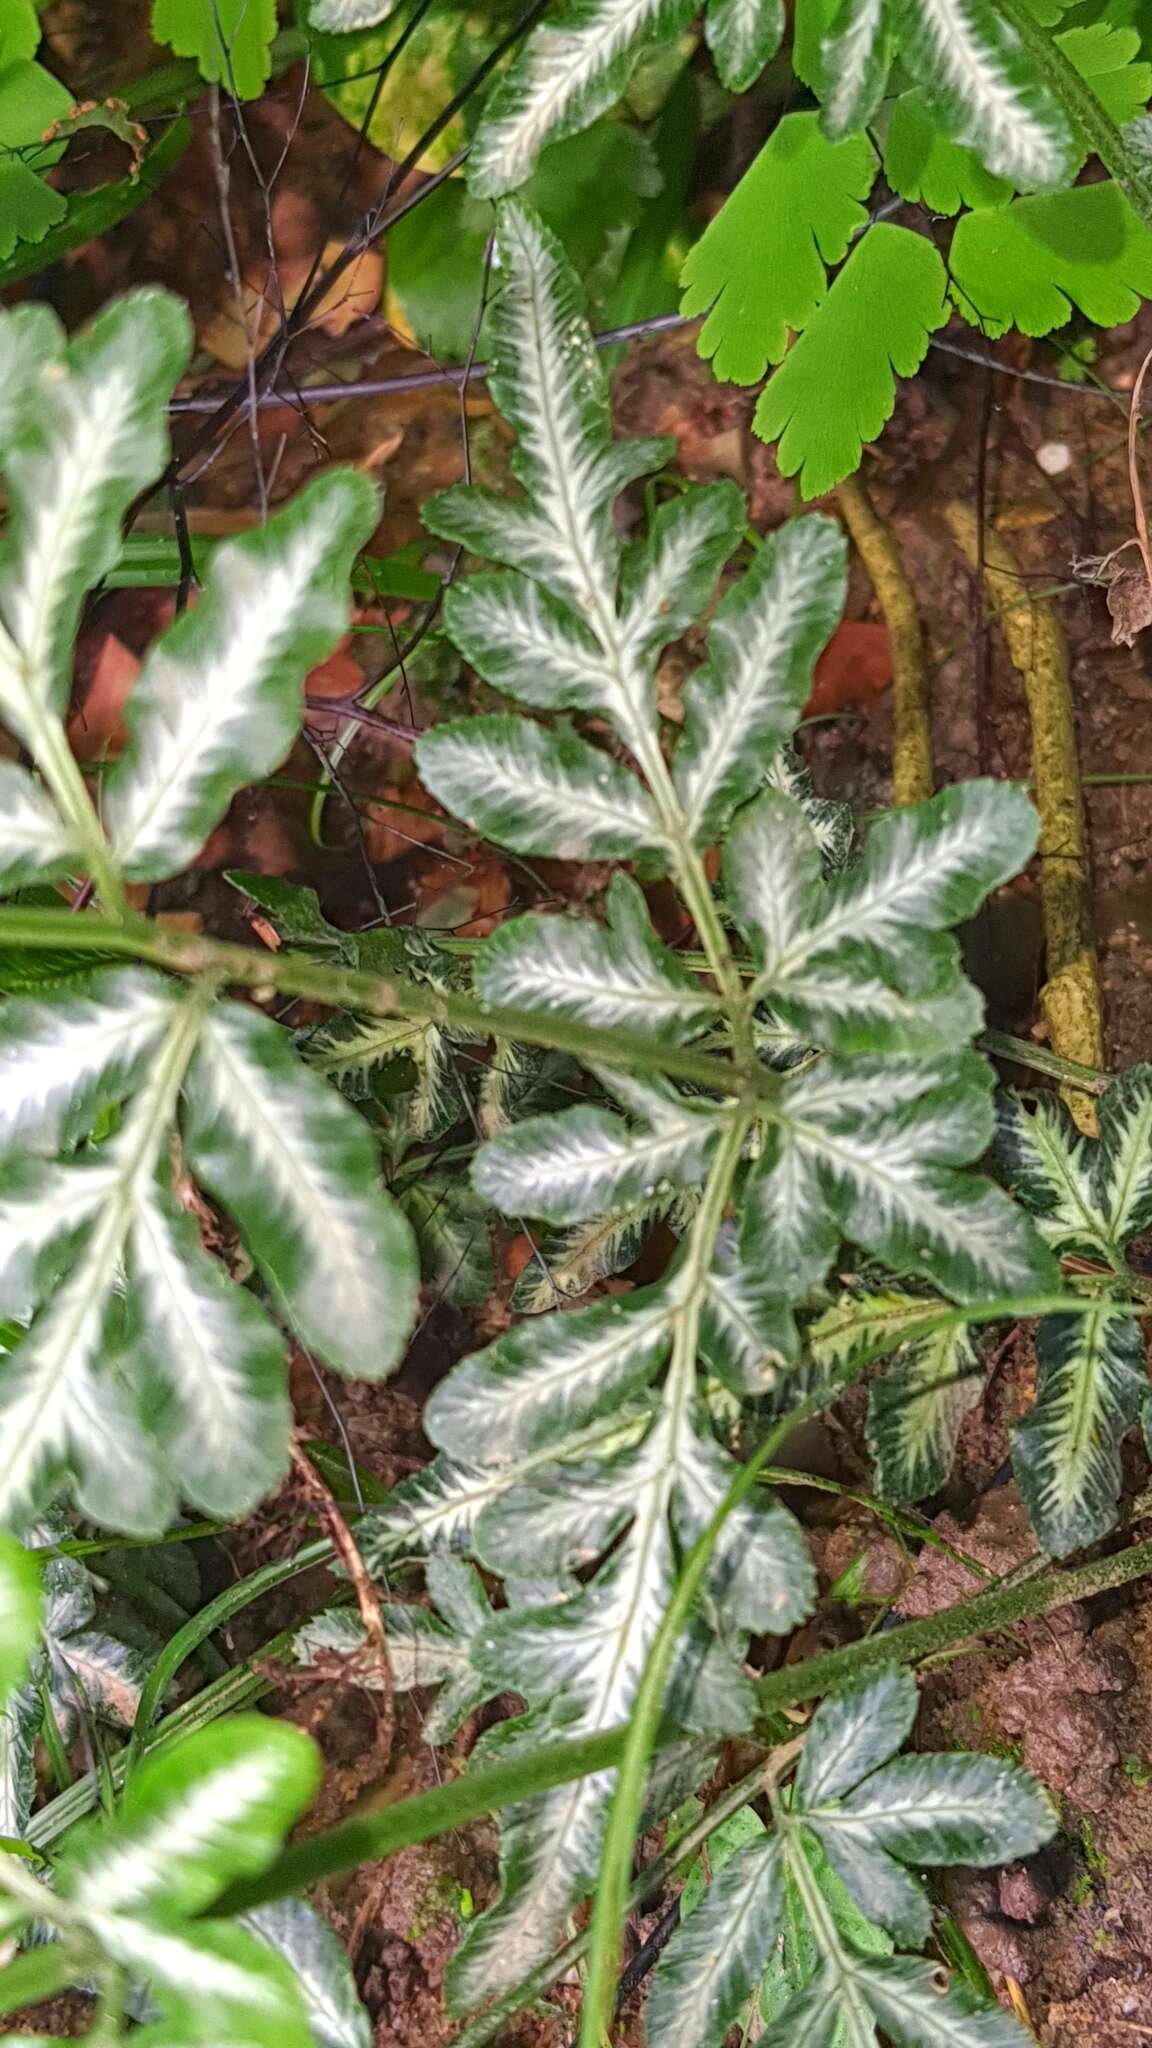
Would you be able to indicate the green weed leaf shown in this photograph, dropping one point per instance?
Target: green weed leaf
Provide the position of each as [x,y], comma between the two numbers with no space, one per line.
[884,304]
[215,1807]
[758,269]
[20,1607]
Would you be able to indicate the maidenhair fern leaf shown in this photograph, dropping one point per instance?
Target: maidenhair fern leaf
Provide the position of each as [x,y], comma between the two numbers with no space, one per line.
[570,70]
[983,82]
[884,304]
[19,32]
[230,39]
[31,100]
[758,270]
[1105,55]
[921,162]
[1027,265]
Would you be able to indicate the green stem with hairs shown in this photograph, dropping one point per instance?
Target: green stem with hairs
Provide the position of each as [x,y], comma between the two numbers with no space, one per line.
[372,995]
[485,1791]
[628,1799]
[1080,103]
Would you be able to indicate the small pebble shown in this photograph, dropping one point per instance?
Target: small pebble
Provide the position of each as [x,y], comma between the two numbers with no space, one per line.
[1054,457]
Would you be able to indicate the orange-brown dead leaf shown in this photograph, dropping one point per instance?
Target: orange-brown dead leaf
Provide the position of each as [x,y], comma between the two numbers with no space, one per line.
[855,668]
[468,905]
[105,675]
[401,819]
[340,676]
[232,334]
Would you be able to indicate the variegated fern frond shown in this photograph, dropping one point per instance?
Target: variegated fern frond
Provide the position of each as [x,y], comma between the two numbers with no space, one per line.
[583,1441]
[144,1374]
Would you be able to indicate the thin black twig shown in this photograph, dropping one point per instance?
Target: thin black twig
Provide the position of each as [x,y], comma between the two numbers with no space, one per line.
[633,330]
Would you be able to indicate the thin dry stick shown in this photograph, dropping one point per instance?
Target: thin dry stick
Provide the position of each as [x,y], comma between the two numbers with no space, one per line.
[1138,511]
[343,1543]
[1070,998]
[913,777]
